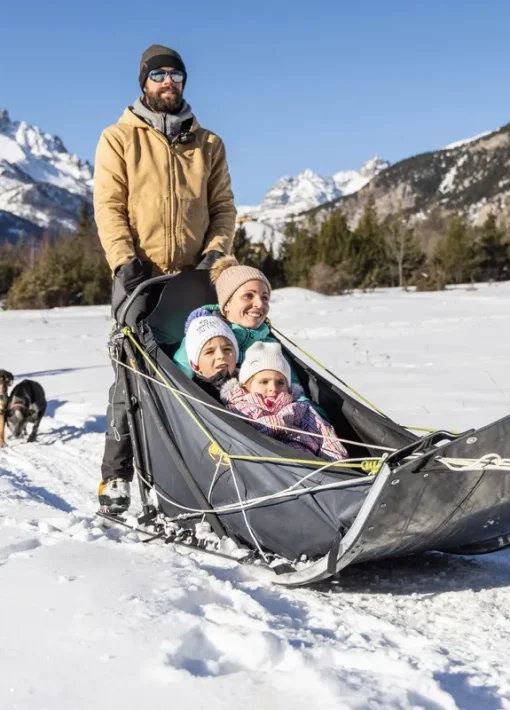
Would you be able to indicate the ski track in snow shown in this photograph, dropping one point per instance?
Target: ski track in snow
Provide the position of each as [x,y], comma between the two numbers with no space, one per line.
[91,617]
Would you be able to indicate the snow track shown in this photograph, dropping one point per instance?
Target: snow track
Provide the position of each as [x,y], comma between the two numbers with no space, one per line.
[92,618]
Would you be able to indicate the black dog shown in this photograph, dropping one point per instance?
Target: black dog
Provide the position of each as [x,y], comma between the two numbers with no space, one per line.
[6,379]
[26,405]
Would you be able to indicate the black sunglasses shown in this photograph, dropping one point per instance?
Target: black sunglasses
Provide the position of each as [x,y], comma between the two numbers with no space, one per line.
[159,75]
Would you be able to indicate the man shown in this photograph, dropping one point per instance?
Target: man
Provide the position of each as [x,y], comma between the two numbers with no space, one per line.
[163,202]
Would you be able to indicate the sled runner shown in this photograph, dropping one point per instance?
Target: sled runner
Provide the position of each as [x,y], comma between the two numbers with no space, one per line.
[395,495]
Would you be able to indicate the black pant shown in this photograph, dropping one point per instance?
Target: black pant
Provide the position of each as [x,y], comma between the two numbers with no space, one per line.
[118,450]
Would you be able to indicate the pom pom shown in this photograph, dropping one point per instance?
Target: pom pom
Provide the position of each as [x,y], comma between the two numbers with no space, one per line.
[221,265]
[230,386]
[197,313]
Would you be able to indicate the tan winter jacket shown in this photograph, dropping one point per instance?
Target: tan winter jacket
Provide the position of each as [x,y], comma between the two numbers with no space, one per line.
[167,204]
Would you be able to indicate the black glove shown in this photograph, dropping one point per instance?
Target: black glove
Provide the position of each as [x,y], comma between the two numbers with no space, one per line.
[209,260]
[132,274]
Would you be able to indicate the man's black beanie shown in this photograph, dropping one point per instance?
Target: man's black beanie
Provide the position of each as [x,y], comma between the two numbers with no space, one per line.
[157,56]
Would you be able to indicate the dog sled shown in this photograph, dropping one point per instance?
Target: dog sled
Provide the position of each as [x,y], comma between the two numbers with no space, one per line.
[202,467]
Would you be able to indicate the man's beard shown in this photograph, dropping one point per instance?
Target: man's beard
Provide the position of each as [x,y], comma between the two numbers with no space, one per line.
[169,103]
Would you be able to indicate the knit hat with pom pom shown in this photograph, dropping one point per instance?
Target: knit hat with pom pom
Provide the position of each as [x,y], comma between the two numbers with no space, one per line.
[227,275]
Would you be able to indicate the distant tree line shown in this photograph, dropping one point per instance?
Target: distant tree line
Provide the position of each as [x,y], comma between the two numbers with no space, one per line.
[68,269]
[333,258]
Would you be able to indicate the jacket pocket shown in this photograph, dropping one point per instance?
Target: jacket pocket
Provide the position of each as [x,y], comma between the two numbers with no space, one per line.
[149,227]
[192,224]
[132,215]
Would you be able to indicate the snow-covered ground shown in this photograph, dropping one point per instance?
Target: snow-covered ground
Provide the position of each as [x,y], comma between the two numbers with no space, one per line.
[95,619]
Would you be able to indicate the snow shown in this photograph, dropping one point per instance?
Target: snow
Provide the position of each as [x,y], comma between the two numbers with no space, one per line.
[243,210]
[43,157]
[92,618]
[263,233]
[350,181]
[292,195]
[448,182]
[457,144]
[30,157]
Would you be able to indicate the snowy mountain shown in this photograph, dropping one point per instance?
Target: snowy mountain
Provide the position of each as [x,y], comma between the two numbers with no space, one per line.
[42,185]
[350,181]
[290,196]
[469,176]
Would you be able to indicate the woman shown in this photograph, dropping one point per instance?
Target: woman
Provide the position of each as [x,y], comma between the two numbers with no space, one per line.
[243,301]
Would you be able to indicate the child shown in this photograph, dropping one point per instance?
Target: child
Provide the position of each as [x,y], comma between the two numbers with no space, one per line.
[212,352]
[263,392]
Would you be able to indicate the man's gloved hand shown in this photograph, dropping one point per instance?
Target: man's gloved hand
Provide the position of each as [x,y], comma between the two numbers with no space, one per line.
[132,274]
[209,260]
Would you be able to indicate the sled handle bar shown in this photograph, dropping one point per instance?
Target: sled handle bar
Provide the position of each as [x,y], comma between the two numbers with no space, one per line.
[125,307]
[424,446]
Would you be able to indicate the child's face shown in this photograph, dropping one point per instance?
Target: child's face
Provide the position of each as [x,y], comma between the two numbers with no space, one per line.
[249,305]
[217,354]
[267,383]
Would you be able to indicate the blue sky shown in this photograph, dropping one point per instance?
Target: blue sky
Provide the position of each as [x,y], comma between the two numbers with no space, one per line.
[289,85]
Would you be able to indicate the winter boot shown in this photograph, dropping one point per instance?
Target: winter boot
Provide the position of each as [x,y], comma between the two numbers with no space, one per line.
[114,496]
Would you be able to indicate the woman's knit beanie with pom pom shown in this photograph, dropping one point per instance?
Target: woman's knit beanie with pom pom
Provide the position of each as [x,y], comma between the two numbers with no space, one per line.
[227,275]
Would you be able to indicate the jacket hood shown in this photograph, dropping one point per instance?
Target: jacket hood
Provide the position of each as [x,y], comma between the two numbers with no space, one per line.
[169,124]
[130,118]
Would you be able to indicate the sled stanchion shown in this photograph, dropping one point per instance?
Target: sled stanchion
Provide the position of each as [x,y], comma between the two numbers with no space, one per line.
[148,512]
[144,444]
[202,501]
[333,554]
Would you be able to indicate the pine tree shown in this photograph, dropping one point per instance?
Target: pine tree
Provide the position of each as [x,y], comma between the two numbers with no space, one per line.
[242,246]
[13,259]
[85,224]
[298,254]
[368,258]
[494,251]
[456,254]
[334,241]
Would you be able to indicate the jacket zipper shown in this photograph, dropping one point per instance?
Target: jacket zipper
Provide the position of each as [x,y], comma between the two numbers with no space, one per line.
[171,252]
[170,258]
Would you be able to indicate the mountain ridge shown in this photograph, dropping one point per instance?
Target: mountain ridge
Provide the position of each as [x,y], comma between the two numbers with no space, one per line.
[470,176]
[41,183]
[292,195]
